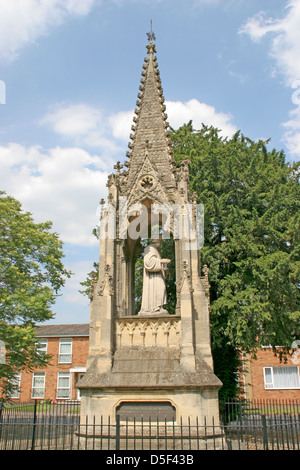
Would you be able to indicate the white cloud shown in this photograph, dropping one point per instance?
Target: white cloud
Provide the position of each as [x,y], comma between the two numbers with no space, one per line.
[291,137]
[22,22]
[285,41]
[73,120]
[121,124]
[84,126]
[180,113]
[63,185]
[284,35]
[258,25]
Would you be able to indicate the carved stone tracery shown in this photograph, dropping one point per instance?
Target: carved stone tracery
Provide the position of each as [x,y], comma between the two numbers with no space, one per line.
[107,281]
[131,332]
[147,182]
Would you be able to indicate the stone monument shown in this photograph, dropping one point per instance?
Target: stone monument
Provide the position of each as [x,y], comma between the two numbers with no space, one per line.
[150,360]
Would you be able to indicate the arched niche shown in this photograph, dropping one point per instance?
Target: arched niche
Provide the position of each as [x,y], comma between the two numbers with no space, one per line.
[140,231]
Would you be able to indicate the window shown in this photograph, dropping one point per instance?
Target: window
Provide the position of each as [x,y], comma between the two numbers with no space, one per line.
[16,382]
[38,385]
[41,346]
[281,377]
[65,350]
[63,385]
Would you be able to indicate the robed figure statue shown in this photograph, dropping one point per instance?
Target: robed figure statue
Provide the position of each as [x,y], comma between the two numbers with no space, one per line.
[154,286]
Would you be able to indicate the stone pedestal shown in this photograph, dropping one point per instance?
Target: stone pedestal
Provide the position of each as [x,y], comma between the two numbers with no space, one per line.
[148,367]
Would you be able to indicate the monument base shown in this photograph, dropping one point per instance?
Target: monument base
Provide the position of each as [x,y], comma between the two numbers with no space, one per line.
[150,419]
[145,377]
[198,405]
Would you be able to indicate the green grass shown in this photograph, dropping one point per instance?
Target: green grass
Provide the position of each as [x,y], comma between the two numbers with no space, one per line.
[41,407]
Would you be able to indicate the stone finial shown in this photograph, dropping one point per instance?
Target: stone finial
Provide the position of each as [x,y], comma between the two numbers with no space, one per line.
[151,36]
[93,278]
[206,281]
[184,266]
[118,167]
[194,197]
[182,173]
[107,280]
[185,276]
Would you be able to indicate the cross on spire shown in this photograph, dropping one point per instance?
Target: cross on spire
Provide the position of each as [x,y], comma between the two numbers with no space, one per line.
[151,35]
[118,167]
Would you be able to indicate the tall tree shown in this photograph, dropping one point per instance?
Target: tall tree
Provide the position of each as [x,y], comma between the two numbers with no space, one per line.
[252,227]
[31,275]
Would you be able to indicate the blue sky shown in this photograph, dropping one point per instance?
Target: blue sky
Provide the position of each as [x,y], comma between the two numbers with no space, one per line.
[69,77]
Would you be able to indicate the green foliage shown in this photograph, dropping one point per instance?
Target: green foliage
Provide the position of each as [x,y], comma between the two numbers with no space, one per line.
[167,251]
[31,275]
[252,222]
[227,362]
[92,277]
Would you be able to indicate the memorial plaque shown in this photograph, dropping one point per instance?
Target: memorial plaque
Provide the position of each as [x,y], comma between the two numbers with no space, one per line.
[156,411]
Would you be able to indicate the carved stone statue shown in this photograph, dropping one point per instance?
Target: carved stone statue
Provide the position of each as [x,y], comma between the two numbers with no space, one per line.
[154,286]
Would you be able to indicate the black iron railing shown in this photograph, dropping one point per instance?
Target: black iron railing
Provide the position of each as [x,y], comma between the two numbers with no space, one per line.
[258,425]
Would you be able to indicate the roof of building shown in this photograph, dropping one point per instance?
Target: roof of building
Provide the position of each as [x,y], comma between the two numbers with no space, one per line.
[80,329]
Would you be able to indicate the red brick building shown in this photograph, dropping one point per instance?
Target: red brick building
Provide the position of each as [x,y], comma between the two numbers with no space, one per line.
[262,378]
[68,345]
[268,377]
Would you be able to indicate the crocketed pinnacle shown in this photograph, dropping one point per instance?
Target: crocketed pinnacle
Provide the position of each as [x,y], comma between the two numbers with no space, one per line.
[150,137]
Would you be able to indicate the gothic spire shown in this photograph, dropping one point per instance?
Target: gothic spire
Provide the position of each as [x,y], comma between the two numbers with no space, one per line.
[150,128]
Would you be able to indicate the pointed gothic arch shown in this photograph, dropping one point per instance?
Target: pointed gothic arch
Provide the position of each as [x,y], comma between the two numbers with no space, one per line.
[154,226]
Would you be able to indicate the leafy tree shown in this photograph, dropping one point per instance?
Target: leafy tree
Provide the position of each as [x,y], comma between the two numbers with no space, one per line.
[252,227]
[31,275]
